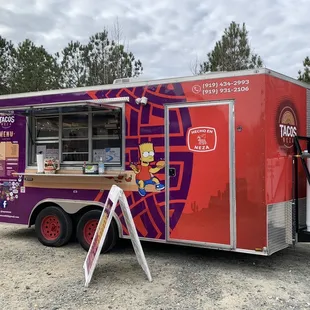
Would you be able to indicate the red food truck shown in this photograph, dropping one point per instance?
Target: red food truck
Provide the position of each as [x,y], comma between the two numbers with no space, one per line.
[215,160]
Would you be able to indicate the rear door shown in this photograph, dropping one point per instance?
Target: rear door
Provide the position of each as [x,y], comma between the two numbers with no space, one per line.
[200,173]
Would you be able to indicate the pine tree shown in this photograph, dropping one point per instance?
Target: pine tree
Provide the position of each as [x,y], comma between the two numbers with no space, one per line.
[7,53]
[34,69]
[232,52]
[72,64]
[102,60]
[305,75]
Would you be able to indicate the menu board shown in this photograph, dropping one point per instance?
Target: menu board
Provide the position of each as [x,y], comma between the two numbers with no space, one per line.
[12,161]
[9,155]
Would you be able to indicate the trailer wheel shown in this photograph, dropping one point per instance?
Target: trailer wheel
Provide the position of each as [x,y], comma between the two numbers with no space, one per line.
[86,229]
[53,227]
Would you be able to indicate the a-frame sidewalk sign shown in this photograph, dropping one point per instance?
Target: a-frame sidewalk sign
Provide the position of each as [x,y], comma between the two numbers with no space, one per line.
[115,195]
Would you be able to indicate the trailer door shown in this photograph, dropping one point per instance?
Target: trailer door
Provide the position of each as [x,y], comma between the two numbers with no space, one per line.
[200,195]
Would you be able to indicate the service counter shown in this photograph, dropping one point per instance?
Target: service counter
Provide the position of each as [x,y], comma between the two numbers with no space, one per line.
[75,179]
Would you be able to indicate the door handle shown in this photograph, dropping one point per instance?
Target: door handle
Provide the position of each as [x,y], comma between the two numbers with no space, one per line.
[172,172]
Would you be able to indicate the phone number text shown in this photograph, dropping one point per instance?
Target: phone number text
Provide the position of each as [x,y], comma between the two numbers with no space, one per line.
[236,83]
[215,91]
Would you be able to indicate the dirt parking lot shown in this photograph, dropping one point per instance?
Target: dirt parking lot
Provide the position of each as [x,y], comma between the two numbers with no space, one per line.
[38,277]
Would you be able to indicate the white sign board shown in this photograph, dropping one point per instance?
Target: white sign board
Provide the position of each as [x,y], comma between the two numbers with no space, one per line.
[134,235]
[116,195]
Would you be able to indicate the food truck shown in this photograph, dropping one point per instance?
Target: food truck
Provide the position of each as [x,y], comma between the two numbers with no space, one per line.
[216,160]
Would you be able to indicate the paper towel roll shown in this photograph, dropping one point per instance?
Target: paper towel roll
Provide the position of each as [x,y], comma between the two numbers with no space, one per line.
[40,163]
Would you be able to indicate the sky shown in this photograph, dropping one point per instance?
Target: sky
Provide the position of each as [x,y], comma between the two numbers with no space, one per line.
[166,35]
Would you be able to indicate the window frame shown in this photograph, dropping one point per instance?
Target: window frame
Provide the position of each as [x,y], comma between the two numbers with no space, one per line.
[32,141]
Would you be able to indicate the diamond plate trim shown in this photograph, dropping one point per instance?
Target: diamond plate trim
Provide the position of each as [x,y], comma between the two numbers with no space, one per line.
[280,226]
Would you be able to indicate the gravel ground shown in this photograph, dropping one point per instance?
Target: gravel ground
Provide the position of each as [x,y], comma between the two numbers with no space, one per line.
[38,277]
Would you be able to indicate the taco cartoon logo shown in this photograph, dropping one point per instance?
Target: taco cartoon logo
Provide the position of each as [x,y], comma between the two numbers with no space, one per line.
[287,125]
[202,139]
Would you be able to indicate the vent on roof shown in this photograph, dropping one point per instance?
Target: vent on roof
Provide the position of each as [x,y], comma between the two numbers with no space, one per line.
[121,81]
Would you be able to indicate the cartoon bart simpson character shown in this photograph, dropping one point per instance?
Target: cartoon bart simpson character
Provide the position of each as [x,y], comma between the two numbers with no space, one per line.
[144,171]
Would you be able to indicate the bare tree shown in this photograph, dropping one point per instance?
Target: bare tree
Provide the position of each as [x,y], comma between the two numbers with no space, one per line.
[195,66]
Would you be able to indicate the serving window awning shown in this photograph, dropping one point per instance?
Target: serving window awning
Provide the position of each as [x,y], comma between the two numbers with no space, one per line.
[69,107]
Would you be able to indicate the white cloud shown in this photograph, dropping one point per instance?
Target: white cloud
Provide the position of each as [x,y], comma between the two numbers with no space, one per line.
[166,35]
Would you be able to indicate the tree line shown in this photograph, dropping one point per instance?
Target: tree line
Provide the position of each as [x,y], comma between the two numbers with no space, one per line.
[28,67]
[233,52]
[105,57]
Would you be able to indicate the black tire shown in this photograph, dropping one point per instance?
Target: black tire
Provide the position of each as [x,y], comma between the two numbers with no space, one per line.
[94,215]
[57,235]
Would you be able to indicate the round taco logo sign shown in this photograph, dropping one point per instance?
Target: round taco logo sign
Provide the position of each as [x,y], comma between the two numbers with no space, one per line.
[287,124]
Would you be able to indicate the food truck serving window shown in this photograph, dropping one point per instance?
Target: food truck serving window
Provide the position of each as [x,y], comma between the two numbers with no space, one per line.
[78,137]
[77,133]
